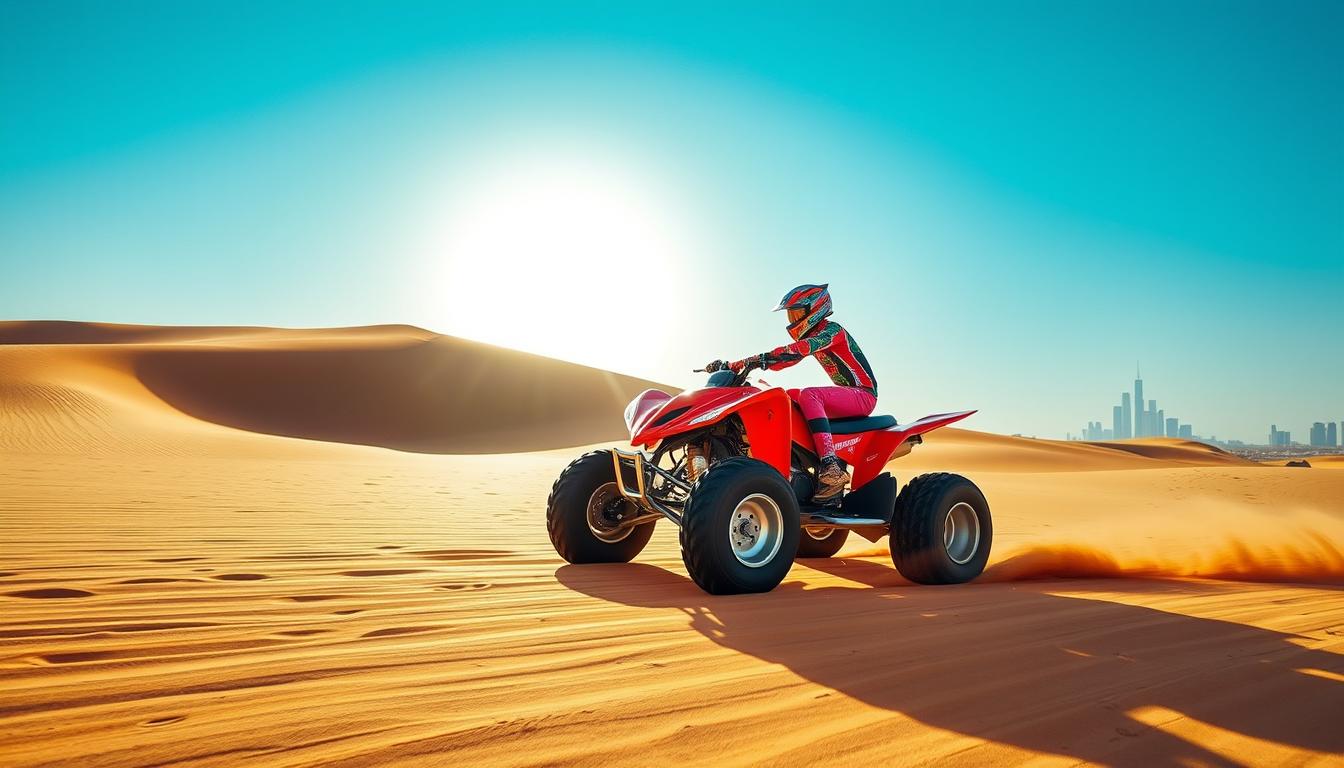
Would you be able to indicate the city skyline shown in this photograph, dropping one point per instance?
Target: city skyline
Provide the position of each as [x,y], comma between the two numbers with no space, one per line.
[1141,421]
[1150,421]
[1324,435]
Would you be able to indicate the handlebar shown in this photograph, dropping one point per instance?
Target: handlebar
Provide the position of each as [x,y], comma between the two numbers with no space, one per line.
[739,379]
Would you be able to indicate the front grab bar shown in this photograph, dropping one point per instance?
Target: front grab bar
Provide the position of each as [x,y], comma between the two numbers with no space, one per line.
[639,494]
[636,459]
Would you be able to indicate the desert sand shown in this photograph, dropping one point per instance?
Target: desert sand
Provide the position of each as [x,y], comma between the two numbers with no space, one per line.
[273,547]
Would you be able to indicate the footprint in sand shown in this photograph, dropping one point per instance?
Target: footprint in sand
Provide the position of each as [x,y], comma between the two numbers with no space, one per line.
[466,586]
[393,631]
[241,576]
[50,593]
[464,554]
[76,657]
[169,720]
[347,612]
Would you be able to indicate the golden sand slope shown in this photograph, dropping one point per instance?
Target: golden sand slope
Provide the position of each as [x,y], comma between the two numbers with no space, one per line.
[393,386]
[175,591]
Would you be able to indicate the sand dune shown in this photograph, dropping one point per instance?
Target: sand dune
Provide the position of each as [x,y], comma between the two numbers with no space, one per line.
[392,386]
[980,451]
[176,588]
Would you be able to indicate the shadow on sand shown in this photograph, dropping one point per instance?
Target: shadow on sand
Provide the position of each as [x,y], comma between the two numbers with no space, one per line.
[1013,664]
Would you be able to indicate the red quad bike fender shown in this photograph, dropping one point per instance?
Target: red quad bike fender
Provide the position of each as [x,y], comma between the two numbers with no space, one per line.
[765,416]
[772,423]
[868,452]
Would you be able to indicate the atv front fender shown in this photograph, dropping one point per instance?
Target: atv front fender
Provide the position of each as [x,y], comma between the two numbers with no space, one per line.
[766,420]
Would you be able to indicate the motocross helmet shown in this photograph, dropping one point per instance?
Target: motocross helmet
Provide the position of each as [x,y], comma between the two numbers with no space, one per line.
[808,305]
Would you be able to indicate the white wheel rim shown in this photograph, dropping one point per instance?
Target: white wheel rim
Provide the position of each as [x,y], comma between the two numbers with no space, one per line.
[598,522]
[756,530]
[961,533]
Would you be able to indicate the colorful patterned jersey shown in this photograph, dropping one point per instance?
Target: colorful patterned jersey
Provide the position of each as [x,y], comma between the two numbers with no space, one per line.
[834,348]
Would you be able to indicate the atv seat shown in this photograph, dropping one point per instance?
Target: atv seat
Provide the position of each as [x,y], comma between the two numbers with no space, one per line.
[861,424]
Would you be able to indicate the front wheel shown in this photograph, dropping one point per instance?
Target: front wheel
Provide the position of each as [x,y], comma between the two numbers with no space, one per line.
[739,531]
[585,514]
[941,530]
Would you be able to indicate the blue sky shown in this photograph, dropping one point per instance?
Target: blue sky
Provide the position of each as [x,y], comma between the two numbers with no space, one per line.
[1013,202]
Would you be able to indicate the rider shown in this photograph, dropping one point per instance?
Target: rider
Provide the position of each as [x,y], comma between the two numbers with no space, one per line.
[855,393]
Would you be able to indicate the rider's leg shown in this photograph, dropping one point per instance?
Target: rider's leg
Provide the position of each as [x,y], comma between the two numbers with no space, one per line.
[819,405]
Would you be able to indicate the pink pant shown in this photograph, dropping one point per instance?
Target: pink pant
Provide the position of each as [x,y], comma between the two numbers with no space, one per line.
[820,404]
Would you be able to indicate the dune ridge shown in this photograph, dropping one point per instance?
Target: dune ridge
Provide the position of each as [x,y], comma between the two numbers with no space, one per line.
[390,386]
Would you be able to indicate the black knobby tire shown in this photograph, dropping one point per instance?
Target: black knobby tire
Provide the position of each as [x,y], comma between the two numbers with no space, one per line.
[827,546]
[918,526]
[567,514]
[705,525]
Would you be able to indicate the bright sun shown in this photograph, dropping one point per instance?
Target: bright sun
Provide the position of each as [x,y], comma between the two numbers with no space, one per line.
[565,256]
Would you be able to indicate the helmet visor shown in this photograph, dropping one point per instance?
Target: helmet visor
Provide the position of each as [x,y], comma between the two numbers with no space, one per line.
[796,314]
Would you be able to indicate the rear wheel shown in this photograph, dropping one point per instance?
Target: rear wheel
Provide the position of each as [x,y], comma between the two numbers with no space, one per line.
[739,531]
[821,542]
[941,530]
[585,514]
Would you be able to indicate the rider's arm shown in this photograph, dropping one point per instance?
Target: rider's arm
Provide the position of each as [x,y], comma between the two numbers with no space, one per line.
[773,360]
[788,355]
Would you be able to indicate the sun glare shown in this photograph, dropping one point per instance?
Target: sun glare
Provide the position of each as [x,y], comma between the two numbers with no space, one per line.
[558,255]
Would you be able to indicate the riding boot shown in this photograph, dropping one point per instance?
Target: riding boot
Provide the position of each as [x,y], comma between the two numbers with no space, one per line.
[831,480]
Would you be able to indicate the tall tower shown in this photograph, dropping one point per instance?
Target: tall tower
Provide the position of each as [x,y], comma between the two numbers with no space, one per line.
[1140,420]
[1118,425]
[1126,418]
[1150,428]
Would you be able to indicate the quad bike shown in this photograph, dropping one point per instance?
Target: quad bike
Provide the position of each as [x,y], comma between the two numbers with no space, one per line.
[733,466]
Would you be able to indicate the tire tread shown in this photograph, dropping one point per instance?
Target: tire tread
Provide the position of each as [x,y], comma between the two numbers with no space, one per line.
[696,533]
[582,547]
[915,550]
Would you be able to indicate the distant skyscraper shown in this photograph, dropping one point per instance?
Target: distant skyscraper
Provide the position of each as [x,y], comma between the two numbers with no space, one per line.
[1317,439]
[1140,422]
[1187,431]
[1138,418]
[1331,436]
